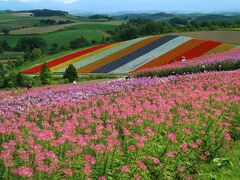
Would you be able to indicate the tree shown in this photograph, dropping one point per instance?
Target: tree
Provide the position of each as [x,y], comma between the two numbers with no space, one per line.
[70,73]
[6,46]
[6,31]
[27,44]
[1,46]
[34,54]
[78,43]
[45,74]
[20,80]
[55,48]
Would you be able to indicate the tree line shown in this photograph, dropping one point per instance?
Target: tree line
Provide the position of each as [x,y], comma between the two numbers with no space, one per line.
[135,28]
[10,78]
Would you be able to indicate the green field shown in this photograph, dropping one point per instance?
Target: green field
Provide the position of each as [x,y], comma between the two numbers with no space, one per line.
[60,37]
[93,27]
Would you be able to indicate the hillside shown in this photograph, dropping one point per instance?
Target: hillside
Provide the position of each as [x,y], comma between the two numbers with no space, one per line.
[128,56]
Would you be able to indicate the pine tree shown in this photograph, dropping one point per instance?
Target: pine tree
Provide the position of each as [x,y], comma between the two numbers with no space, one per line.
[70,73]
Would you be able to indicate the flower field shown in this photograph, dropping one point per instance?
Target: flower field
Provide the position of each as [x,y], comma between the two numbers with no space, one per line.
[220,61]
[134,55]
[159,128]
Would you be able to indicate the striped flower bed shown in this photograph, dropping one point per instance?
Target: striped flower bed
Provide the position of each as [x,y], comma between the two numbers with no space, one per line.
[135,55]
[60,60]
[64,65]
[168,57]
[91,67]
[231,59]
[84,61]
[138,62]
[140,52]
[220,48]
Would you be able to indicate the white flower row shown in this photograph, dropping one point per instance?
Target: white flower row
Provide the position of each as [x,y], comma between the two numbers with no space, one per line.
[138,62]
[103,54]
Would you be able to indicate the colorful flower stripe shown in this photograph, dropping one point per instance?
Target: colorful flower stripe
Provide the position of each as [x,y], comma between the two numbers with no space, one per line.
[91,67]
[140,52]
[170,45]
[64,58]
[231,56]
[96,57]
[220,48]
[165,58]
[200,50]
[64,65]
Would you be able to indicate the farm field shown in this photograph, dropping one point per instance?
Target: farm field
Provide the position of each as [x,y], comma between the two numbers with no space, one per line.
[174,127]
[73,26]
[61,37]
[133,55]
[232,37]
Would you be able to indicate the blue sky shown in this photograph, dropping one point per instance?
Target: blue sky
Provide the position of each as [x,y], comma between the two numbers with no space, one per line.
[125,5]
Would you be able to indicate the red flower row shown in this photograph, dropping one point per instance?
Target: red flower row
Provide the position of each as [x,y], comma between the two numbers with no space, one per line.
[60,60]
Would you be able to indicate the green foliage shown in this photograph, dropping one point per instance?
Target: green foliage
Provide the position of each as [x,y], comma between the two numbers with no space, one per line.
[6,31]
[4,46]
[27,44]
[78,43]
[45,74]
[1,46]
[70,73]
[20,80]
[34,54]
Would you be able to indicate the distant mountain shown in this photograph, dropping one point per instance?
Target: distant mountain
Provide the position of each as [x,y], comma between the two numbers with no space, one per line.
[161,15]
[43,12]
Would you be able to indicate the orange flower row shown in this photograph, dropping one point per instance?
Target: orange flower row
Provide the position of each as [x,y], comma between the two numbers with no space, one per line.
[91,67]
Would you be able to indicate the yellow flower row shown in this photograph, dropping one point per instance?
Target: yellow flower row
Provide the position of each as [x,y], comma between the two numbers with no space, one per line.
[74,60]
[221,48]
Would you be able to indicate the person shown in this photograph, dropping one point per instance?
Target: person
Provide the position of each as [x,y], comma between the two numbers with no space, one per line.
[128,77]
[74,82]
[29,86]
[183,59]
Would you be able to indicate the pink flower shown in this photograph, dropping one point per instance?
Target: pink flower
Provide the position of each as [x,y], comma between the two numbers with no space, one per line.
[172,137]
[141,165]
[67,171]
[181,169]
[132,148]
[23,171]
[169,123]
[194,145]
[125,169]
[171,154]
[102,178]
[136,176]
[227,137]
[184,147]
[87,169]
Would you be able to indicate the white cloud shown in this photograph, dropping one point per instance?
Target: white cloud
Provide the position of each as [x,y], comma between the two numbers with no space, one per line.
[66,1]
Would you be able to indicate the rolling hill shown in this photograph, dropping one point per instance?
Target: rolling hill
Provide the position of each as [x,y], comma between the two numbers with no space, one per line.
[134,55]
